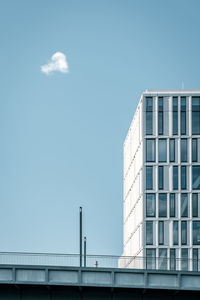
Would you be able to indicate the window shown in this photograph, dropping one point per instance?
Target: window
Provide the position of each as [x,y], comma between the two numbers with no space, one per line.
[195,115]
[172,259]
[151,259]
[162,150]
[172,205]
[183,150]
[149,233]
[175,115]
[184,233]
[162,205]
[195,259]
[184,205]
[196,177]
[183,115]
[160,115]
[161,233]
[162,259]
[195,205]
[172,150]
[196,232]
[149,178]
[175,232]
[149,115]
[160,178]
[194,150]
[183,177]
[150,205]
[150,150]
[184,259]
[175,177]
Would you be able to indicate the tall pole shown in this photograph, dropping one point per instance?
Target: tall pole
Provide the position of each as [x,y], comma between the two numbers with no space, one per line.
[80,236]
[85,241]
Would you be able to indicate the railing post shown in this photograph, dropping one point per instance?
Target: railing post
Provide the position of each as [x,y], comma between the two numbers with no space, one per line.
[85,243]
[80,219]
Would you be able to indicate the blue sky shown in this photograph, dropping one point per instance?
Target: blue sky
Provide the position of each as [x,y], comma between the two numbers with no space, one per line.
[62,135]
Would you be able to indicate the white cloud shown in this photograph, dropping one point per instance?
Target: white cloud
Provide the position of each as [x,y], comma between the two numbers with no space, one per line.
[58,63]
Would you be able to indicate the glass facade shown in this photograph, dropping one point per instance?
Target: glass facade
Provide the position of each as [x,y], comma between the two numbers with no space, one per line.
[183,115]
[149,177]
[183,177]
[175,177]
[172,150]
[149,233]
[195,205]
[194,150]
[172,205]
[175,115]
[196,232]
[184,205]
[150,205]
[150,150]
[162,263]
[160,177]
[175,232]
[183,232]
[195,115]
[183,150]
[149,115]
[162,200]
[196,177]
[160,115]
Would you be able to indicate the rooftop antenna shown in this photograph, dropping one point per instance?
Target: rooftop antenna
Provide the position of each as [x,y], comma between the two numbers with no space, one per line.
[182,86]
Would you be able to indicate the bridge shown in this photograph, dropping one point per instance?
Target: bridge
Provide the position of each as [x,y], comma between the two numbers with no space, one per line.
[56,282]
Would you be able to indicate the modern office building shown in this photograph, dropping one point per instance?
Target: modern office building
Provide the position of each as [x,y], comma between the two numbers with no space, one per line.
[162,180]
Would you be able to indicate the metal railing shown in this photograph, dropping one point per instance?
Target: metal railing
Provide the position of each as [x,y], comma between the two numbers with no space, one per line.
[99,261]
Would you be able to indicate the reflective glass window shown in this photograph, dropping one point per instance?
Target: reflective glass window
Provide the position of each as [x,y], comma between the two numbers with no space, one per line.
[151,259]
[195,115]
[149,233]
[183,177]
[161,233]
[149,115]
[195,205]
[183,115]
[194,150]
[162,263]
[172,205]
[184,150]
[160,115]
[149,177]
[184,259]
[175,232]
[162,205]
[195,259]
[172,259]
[184,205]
[175,177]
[175,115]
[172,150]
[184,233]
[150,150]
[196,232]
[162,150]
[150,205]
[196,177]
[160,177]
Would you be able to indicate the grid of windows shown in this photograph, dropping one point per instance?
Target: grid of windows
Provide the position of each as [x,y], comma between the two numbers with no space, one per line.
[149,115]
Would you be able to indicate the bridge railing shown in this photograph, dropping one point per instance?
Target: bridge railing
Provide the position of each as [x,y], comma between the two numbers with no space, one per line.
[99,261]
